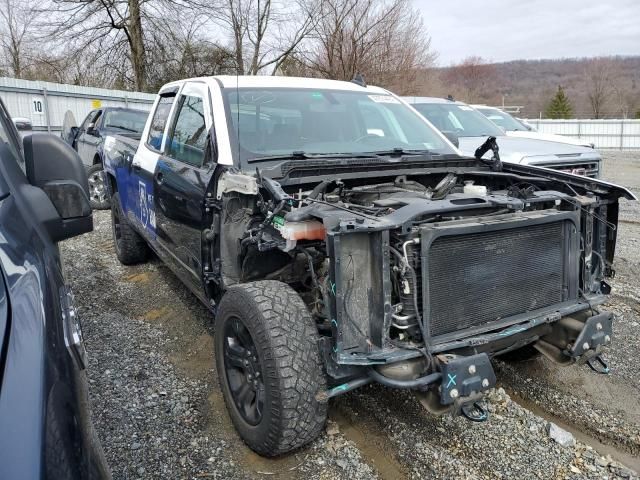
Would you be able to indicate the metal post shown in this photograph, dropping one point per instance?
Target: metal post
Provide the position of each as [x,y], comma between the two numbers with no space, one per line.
[621,134]
[46,109]
[579,125]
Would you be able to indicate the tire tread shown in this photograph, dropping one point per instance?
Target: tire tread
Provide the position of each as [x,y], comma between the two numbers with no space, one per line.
[284,327]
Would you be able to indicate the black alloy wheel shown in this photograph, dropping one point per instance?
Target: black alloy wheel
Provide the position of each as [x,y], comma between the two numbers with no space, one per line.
[269,366]
[244,371]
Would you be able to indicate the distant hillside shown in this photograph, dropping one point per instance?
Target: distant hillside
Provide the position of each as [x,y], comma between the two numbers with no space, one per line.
[532,83]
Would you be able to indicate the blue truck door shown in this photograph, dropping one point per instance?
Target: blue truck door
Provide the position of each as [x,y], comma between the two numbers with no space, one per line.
[181,180]
[139,181]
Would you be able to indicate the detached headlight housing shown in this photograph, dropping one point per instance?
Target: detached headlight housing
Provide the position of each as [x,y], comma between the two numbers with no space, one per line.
[73,339]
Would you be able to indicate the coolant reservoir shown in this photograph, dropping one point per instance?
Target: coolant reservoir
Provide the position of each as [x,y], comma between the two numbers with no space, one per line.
[306,230]
[472,189]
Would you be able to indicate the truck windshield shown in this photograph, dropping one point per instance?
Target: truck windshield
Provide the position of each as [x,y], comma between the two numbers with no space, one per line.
[127,120]
[503,120]
[459,118]
[280,121]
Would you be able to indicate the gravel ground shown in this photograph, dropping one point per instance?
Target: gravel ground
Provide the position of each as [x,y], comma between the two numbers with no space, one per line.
[159,413]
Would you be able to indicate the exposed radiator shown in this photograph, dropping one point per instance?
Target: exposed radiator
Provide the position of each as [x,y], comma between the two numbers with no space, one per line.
[478,278]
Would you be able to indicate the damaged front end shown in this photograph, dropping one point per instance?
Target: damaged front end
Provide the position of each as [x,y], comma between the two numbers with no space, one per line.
[416,279]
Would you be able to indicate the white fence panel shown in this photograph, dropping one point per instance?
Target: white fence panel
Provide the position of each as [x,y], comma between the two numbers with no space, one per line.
[606,134]
[46,103]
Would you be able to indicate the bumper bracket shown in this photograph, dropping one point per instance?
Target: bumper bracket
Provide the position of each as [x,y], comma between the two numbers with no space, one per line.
[464,376]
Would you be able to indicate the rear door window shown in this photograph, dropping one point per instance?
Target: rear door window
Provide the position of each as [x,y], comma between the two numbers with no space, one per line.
[159,122]
[88,119]
[188,137]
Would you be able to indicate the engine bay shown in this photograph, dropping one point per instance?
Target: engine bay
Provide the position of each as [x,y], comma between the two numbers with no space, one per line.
[305,234]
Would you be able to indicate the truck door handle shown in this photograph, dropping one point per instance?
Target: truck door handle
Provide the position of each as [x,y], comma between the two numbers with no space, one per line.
[136,166]
[159,177]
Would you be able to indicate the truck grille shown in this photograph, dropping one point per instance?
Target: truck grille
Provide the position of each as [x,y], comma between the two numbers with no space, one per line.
[587,169]
[478,278]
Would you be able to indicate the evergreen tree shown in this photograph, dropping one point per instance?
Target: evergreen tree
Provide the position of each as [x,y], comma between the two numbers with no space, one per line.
[559,107]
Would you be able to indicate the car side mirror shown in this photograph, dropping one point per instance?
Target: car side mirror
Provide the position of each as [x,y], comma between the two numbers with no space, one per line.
[24,126]
[91,130]
[53,166]
[452,137]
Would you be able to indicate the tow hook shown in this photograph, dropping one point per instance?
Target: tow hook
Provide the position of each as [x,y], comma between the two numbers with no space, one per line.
[595,334]
[474,412]
[599,365]
[462,383]
[464,379]
[464,376]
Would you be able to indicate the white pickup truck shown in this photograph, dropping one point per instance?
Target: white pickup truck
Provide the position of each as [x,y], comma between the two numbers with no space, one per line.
[339,239]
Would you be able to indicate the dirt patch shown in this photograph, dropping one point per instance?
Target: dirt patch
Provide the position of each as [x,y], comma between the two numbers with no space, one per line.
[370,441]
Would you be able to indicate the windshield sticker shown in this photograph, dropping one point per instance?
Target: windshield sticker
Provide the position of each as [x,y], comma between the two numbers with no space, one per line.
[465,108]
[317,95]
[384,99]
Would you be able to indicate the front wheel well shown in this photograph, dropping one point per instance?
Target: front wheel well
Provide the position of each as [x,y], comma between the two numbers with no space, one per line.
[111,183]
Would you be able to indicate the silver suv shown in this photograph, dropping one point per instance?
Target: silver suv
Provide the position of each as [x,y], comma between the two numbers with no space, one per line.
[468,128]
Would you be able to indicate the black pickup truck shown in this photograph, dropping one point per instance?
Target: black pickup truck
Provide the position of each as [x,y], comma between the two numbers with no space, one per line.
[339,239]
[45,421]
[87,140]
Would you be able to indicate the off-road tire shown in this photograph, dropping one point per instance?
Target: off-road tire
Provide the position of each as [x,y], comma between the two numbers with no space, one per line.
[521,354]
[129,245]
[97,203]
[285,339]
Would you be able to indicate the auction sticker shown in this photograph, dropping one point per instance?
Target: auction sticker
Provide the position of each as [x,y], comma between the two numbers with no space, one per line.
[384,99]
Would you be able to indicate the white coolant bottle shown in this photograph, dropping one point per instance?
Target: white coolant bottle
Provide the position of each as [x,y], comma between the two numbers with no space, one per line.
[472,189]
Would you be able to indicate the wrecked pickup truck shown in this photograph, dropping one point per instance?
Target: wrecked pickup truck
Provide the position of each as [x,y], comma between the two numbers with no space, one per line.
[339,240]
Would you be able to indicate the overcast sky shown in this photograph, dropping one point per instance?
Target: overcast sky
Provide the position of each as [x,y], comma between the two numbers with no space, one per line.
[501,30]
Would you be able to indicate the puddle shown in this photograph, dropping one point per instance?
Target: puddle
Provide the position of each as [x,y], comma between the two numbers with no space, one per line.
[374,446]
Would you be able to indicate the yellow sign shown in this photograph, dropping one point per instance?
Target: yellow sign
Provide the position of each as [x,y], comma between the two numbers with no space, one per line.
[96,103]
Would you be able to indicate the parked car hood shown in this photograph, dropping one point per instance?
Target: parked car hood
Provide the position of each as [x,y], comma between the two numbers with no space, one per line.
[550,137]
[516,149]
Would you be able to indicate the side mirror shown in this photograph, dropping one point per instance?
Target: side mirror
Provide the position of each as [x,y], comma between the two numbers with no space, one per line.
[53,166]
[91,130]
[23,126]
[452,137]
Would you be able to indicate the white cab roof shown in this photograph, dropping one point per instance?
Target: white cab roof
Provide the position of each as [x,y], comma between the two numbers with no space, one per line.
[263,81]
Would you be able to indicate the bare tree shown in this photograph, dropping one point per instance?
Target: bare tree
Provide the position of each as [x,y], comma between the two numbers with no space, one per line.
[625,95]
[17,24]
[386,41]
[470,78]
[598,84]
[180,50]
[115,26]
[264,33]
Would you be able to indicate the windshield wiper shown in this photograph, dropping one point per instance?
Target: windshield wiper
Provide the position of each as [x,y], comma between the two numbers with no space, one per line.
[300,155]
[401,152]
[123,128]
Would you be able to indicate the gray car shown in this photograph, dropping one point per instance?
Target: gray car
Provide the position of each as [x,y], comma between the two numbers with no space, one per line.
[468,129]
